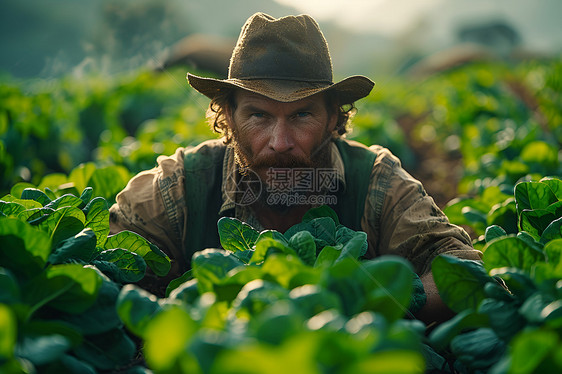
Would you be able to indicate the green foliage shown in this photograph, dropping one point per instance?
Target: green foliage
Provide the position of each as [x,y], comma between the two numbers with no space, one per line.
[60,276]
[266,303]
[511,301]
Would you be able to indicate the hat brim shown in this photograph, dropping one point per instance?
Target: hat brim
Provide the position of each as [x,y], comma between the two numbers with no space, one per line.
[348,90]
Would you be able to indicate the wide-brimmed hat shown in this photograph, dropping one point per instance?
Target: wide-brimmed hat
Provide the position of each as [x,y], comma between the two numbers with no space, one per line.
[285,59]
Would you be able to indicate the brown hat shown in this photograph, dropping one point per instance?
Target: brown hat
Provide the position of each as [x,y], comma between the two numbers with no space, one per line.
[285,59]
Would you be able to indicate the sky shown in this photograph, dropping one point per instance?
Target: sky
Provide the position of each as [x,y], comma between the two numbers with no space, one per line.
[539,20]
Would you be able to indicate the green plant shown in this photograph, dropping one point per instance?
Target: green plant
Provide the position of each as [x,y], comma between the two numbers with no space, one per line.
[60,276]
[271,302]
[512,301]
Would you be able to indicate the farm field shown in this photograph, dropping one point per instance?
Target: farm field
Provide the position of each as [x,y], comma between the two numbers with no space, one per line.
[485,139]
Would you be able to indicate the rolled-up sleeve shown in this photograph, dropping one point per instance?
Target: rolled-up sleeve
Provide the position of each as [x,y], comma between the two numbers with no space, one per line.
[400,218]
[153,206]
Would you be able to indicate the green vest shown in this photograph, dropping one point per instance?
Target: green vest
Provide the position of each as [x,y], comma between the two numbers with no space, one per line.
[203,182]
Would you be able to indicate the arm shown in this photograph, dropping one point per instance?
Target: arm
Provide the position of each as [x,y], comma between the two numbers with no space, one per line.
[403,220]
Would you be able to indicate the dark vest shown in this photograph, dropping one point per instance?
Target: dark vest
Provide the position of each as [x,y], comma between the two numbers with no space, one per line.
[203,182]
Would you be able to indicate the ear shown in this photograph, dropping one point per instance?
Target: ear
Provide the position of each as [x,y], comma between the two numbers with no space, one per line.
[333,119]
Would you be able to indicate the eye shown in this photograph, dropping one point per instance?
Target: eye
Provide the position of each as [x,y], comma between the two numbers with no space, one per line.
[258,115]
[303,114]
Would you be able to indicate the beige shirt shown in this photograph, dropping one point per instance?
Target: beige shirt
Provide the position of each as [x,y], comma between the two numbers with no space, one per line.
[399,217]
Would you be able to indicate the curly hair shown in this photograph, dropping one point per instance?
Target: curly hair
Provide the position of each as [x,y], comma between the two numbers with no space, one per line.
[224,100]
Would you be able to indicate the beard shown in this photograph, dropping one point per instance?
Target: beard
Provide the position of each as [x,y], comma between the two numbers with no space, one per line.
[269,168]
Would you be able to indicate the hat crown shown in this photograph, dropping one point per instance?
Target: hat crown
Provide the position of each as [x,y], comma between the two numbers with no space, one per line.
[288,48]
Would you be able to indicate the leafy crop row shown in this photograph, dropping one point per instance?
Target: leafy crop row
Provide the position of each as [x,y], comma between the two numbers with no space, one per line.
[304,300]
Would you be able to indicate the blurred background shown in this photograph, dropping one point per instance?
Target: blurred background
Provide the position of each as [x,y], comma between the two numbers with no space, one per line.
[48,38]
[467,94]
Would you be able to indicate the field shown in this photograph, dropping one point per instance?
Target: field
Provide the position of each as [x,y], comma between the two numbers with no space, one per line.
[483,138]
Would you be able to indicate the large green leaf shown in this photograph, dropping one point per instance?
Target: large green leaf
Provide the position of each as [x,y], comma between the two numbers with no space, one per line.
[97,218]
[155,259]
[323,230]
[321,211]
[9,289]
[136,308]
[533,195]
[23,248]
[107,351]
[63,223]
[303,243]
[460,282]
[511,252]
[467,319]
[80,247]
[388,283]
[555,185]
[10,208]
[552,232]
[101,316]
[236,235]
[536,351]
[65,200]
[211,265]
[108,181]
[166,337]
[478,349]
[43,349]
[354,246]
[35,194]
[267,246]
[68,287]
[537,220]
[121,265]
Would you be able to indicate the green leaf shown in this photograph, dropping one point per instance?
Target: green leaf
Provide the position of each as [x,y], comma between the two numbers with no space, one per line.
[460,282]
[257,295]
[23,248]
[323,230]
[387,282]
[303,243]
[166,337]
[312,299]
[552,232]
[69,287]
[504,317]
[354,246]
[101,316]
[328,256]
[65,200]
[533,195]
[467,319]
[288,271]
[211,265]
[108,181]
[176,282]
[43,349]
[11,208]
[81,175]
[517,281]
[493,232]
[236,235]
[531,348]
[266,247]
[9,288]
[510,252]
[154,258]
[555,185]
[121,265]
[136,308]
[18,188]
[35,194]
[536,221]
[478,349]
[321,211]
[63,223]
[80,247]
[8,332]
[107,351]
[97,218]
[533,309]
[87,195]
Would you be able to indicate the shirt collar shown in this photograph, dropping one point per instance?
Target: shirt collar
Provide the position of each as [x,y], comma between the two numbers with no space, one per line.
[231,177]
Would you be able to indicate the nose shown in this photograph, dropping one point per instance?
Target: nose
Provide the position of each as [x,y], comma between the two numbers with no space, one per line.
[281,139]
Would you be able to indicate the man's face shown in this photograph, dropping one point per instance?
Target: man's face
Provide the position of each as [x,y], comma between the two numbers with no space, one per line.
[272,134]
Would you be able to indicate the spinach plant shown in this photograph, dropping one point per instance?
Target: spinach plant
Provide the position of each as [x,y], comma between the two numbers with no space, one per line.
[60,276]
[303,301]
[510,306]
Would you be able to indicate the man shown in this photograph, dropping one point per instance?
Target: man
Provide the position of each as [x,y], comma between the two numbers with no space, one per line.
[282,152]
